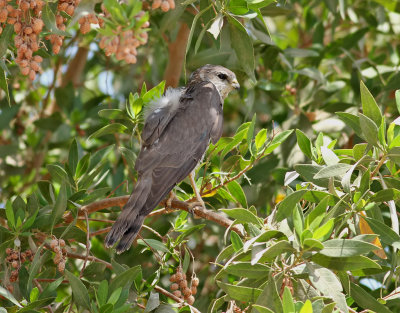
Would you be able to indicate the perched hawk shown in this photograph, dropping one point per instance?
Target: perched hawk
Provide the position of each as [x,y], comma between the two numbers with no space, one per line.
[175,136]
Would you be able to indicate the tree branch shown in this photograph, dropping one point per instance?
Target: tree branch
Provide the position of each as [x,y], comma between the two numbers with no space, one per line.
[175,204]
[177,51]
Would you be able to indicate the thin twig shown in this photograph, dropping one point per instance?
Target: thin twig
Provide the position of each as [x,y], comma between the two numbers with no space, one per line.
[87,243]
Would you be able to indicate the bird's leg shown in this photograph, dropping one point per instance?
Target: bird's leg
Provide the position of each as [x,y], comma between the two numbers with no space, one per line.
[199,201]
[168,203]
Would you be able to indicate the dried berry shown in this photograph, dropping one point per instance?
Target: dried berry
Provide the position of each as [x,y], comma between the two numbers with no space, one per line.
[172,278]
[174,286]
[195,282]
[14,264]
[183,284]
[186,292]
[177,293]
[190,300]
[194,290]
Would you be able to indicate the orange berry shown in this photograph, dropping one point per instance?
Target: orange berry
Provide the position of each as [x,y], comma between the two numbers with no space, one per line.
[32,75]
[190,300]
[14,264]
[156,4]
[194,290]
[174,286]
[17,27]
[62,243]
[63,6]
[165,6]
[59,19]
[85,27]
[186,292]
[15,256]
[24,6]
[179,276]
[171,4]
[37,25]
[70,10]
[183,284]
[195,282]
[3,15]
[33,4]
[39,59]
[172,278]
[10,8]
[9,250]
[53,243]
[28,30]
[35,66]
[61,266]
[11,20]
[177,293]
[34,46]
[130,59]
[56,49]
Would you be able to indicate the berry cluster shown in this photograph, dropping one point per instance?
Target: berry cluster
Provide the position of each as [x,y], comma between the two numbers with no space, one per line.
[180,286]
[165,5]
[124,43]
[68,7]
[85,21]
[58,246]
[27,22]
[15,258]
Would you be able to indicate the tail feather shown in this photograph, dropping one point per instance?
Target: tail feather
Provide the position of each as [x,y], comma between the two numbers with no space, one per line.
[130,212]
[130,234]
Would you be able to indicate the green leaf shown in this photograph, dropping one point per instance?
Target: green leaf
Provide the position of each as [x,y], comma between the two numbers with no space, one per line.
[346,247]
[4,85]
[237,192]
[287,301]
[153,302]
[79,291]
[115,296]
[243,46]
[240,293]
[83,165]
[397,94]
[129,155]
[10,215]
[49,20]
[124,278]
[370,108]
[312,244]
[227,252]
[365,300]
[73,157]
[386,234]
[236,241]
[102,293]
[277,140]
[261,138]
[272,251]
[112,114]
[5,39]
[385,195]
[269,297]
[246,269]
[261,309]
[336,170]
[155,244]
[109,129]
[58,173]
[243,216]
[250,131]
[351,120]
[369,129]
[329,156]
[322,233]
[344,264]
[6,294]
[287,205]
[60,206]
[304,143]
[51,289]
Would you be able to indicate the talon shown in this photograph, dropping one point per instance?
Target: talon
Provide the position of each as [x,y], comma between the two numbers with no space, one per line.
[168,203]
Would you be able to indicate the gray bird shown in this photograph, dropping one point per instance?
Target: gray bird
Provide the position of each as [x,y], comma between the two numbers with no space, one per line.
[175,136]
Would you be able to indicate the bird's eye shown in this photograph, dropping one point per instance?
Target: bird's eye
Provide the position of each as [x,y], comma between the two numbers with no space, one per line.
[222,76]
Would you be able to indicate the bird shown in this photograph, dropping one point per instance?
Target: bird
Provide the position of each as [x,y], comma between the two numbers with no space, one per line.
[177,130]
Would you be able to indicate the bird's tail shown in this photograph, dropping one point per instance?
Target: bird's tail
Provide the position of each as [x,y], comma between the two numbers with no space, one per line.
[129,222]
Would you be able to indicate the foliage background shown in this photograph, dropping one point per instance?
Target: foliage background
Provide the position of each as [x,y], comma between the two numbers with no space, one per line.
[298,65]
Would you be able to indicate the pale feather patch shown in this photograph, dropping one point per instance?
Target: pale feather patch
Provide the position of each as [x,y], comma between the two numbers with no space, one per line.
[170,99]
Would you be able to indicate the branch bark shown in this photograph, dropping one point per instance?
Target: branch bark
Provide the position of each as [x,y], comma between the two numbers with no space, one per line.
[75,68]
[177,50]
[175,204]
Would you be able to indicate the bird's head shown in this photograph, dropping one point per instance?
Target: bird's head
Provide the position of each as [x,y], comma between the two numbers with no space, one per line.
[222,78]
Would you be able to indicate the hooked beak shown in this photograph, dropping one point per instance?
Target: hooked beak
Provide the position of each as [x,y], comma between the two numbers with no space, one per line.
[235,84]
